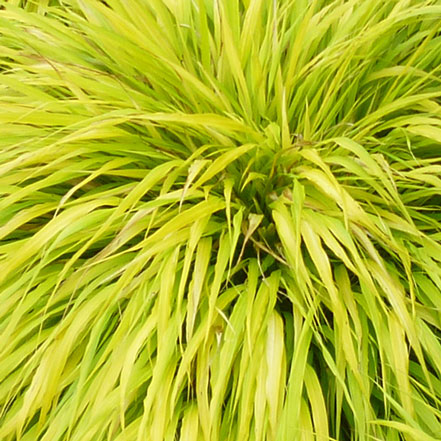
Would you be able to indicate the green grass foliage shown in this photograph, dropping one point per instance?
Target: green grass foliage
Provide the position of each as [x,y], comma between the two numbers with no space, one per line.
[220,220]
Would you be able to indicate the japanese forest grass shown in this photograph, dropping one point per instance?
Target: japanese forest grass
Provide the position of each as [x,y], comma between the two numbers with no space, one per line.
[220,220]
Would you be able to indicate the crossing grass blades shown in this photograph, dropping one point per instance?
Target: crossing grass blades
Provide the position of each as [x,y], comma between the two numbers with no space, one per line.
[220,220]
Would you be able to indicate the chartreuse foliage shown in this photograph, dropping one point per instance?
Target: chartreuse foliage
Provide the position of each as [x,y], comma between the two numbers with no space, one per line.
[220,220]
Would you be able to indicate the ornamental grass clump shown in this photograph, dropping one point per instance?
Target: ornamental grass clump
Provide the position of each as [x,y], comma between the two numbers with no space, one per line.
[220,220]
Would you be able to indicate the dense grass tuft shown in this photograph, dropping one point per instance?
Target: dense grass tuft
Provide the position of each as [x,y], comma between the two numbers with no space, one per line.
[220,220]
